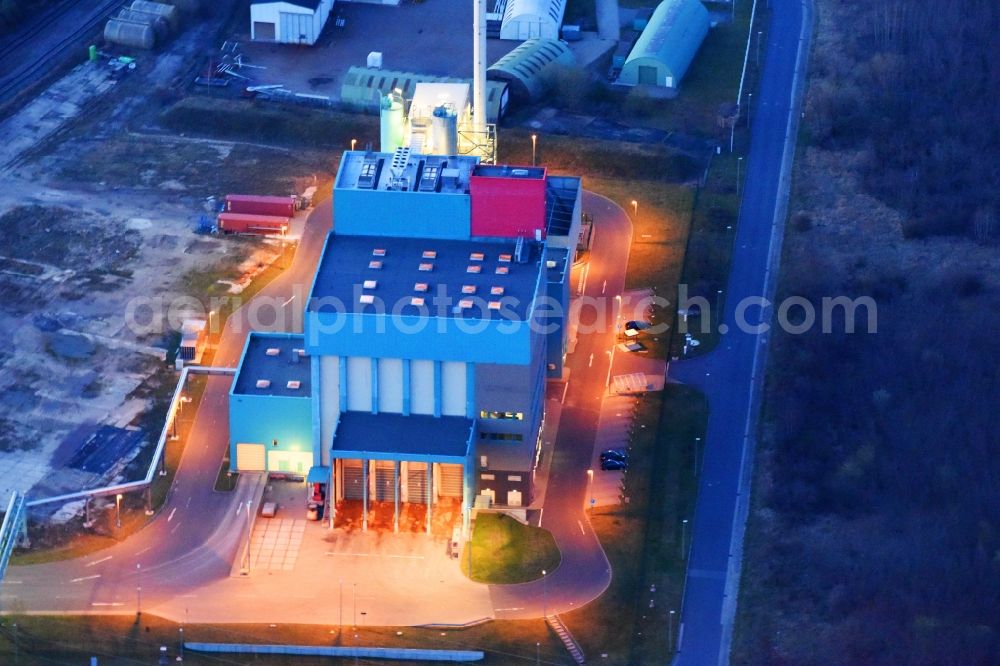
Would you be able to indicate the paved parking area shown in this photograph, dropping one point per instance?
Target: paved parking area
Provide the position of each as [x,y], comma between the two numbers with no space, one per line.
[275,543]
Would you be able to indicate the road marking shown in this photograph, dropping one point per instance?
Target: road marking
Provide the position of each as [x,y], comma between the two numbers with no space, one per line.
[604,287]
[172,512]
[80,580]
[590,363]
[107,603]
[140,552]
[104,559]
[290,299]
[515,608]
[189,502]
[14,582]
[175,527]
[582,531]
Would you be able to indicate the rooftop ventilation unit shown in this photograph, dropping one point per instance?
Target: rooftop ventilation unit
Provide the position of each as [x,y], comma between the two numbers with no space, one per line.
[366,299]
[473,268]
[502,270]
[505,258]
[494,305]
[378,252]
[465,304]
[426,267]
[429,254]
[468,289]
[369,284]
[496,291]
[293,384]
[263,383]
[369,173]
[375,265]
[477,256]
[420,287]
[449,178]
[416,300]
[272,351]
[400,158]
[429,177]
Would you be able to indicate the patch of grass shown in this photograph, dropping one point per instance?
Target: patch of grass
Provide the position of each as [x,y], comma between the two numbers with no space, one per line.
[505,551]
[117,639]
[642,538]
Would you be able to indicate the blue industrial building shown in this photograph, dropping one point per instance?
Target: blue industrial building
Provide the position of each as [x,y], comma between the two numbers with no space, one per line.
[436,314]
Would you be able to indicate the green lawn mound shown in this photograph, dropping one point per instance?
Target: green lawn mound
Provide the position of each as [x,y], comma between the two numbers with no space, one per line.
[505,551]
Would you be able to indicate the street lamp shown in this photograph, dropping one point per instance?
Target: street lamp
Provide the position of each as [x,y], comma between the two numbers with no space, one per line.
[118,510]
[749,106]
[211,326]
[534,145]
[718,307]
[635,208]
[684,526]
[354,142]
[670,632]
[739,163]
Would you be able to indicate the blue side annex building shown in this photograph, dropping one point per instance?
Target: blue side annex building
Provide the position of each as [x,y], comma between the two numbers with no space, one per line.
[435,318]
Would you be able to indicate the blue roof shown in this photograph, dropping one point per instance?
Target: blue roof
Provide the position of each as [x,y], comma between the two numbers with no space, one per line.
[277,359]
[395,436]
[394,266]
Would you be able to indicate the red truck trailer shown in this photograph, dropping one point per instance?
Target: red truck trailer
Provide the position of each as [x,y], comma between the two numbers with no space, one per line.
[241,223]
[250,204]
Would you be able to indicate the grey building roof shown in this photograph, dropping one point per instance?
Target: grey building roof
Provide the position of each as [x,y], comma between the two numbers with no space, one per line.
[270,362]
[306,4]
[393,435]
[458,276]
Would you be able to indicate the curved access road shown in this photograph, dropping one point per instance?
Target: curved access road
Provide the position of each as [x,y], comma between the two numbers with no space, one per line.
[584,572]
[193,538]
[732,374]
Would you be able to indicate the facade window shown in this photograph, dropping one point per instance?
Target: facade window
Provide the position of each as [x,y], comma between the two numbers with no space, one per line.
[502,436]
[515,416]
[513,477]
[487,477]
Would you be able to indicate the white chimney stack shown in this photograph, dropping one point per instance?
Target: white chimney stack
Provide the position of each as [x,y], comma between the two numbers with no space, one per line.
[479,65]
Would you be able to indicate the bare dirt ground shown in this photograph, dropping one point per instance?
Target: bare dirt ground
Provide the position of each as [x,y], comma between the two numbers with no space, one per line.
[99,207]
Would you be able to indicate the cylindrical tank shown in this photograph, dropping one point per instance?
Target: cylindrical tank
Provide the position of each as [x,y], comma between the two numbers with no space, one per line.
[187,6]
[155,21]
[444,130]
[169,12]
[391,125]
[127,33]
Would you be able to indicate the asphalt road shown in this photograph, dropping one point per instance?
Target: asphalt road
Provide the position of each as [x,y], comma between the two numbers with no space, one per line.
[731,375]
[584,572]
[193,538]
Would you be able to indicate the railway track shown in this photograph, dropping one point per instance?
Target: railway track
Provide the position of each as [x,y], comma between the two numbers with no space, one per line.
[30,68]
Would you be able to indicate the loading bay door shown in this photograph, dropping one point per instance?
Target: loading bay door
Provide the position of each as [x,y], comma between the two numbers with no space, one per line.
[250,457]
[353,488]
[416,483]
[263,32]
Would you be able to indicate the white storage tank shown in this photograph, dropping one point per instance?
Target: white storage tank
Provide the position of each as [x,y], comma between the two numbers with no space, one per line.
[444,130]
[127,33]
[169,12]
[391,122]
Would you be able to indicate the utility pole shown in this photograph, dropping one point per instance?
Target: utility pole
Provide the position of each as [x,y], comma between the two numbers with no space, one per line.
[138,589]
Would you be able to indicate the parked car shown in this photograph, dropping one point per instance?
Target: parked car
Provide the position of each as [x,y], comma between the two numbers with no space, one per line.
[615,454]
[636,325]
[610,464]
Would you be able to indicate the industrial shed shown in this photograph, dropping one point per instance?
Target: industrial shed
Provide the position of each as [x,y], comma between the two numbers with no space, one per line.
[364,88]
[288,21]
[532,19]
[525,68]
[665,49]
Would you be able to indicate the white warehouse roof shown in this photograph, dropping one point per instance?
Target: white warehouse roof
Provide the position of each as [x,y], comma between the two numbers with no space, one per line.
[532,19]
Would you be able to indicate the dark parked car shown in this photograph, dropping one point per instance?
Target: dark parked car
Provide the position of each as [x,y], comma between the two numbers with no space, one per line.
[614,454]
[613,464]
